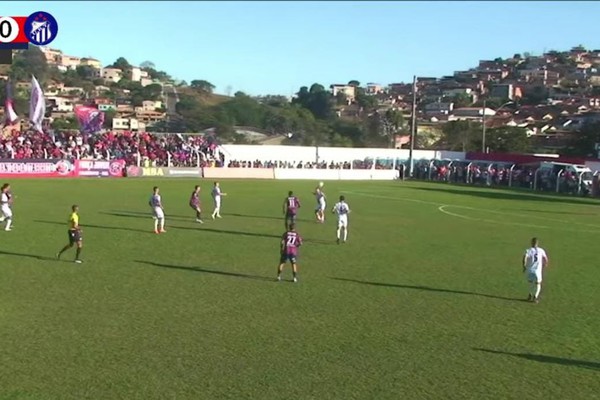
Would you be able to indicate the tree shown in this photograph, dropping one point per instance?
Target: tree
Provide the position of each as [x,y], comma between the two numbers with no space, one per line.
[69,123]
[152,92]
[506,139]
[202,85]
[275,101]
[122,64]
[84,71]
[583,142]
[30,62]
[364,100]
[395,118]
[517,56]
[316,99]
[461,100]
[535,96]
[462,136]
[109,115]
[341,98]
[147,65]
[354,83]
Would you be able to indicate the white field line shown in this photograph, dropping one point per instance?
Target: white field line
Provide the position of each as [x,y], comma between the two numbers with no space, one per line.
[442,208]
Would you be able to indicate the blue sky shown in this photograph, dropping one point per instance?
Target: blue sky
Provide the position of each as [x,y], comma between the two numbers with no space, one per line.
[276,47]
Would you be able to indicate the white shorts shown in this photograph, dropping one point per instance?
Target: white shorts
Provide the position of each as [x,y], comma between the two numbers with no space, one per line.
[217,202]
[159,213]
[6,212]
[534,276]
[321,205]
[343,222]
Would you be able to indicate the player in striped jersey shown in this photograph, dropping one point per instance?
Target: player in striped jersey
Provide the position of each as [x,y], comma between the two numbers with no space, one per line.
[290,242]
[342,210]
[291,204]
[158,212]
[195,203]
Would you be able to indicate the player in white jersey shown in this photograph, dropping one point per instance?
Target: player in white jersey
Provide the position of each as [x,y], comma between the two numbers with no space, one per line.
[321,203]
[342,210]
[216,195]
[5,202]
[535,260]
[158,212]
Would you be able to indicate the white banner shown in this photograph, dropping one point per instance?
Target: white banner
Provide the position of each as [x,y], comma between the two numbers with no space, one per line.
[337,174]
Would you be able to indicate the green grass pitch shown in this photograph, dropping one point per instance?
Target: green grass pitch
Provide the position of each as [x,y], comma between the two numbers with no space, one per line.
[424,302]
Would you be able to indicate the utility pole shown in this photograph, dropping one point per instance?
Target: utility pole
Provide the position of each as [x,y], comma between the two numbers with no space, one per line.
[413,129]
[483,128]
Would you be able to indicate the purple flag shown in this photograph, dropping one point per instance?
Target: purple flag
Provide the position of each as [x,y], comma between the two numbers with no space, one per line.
[90,119]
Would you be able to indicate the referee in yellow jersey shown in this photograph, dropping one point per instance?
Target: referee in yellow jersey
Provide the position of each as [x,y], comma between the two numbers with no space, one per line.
[75,237]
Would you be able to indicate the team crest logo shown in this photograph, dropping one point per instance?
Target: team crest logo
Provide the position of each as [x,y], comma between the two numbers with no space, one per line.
[41,28]
[63,167]
[115,168]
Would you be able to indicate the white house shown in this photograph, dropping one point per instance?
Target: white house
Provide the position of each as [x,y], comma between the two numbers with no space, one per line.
[112,74]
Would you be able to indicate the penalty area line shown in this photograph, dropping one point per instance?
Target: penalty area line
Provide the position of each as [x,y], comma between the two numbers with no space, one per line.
[443,210]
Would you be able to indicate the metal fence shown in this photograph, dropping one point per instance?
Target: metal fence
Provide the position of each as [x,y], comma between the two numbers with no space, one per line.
[492,174]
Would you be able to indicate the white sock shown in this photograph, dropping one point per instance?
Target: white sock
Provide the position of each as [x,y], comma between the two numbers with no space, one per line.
[338,233]
[156,224]
[345,234]
[8,223]
[538,289]
[162,224]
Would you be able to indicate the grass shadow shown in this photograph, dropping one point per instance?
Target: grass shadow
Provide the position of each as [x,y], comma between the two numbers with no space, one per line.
[547,359]
[142,215]
[112,228]
[559,212]
[35,256]
[281,218]
[203,228]
[506,194]
[430,289]
[206,271]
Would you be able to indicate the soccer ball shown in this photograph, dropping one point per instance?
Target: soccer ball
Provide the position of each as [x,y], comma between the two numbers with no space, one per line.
[321,184]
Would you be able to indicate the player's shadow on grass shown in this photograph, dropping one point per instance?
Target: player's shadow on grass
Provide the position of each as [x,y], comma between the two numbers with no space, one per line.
[548,359]
[206,271]
[202,228]
[41,258]
[506,194]
[429,289]
[112,228]
[281,218]
[141,215]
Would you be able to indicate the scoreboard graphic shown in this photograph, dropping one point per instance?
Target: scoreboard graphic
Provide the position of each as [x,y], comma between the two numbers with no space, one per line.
[17,32]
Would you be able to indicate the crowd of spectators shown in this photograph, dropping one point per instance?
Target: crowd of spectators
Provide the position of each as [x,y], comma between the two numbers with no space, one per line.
[499,174]
[367,163]
[357,164]
[156,149]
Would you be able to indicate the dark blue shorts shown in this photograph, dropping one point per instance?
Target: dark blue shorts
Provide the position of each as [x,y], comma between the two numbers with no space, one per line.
[288,257]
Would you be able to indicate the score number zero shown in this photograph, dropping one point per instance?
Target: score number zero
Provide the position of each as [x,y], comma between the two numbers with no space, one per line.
[9,29]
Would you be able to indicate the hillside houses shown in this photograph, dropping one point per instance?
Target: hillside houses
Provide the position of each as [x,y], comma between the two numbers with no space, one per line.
[552,93]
